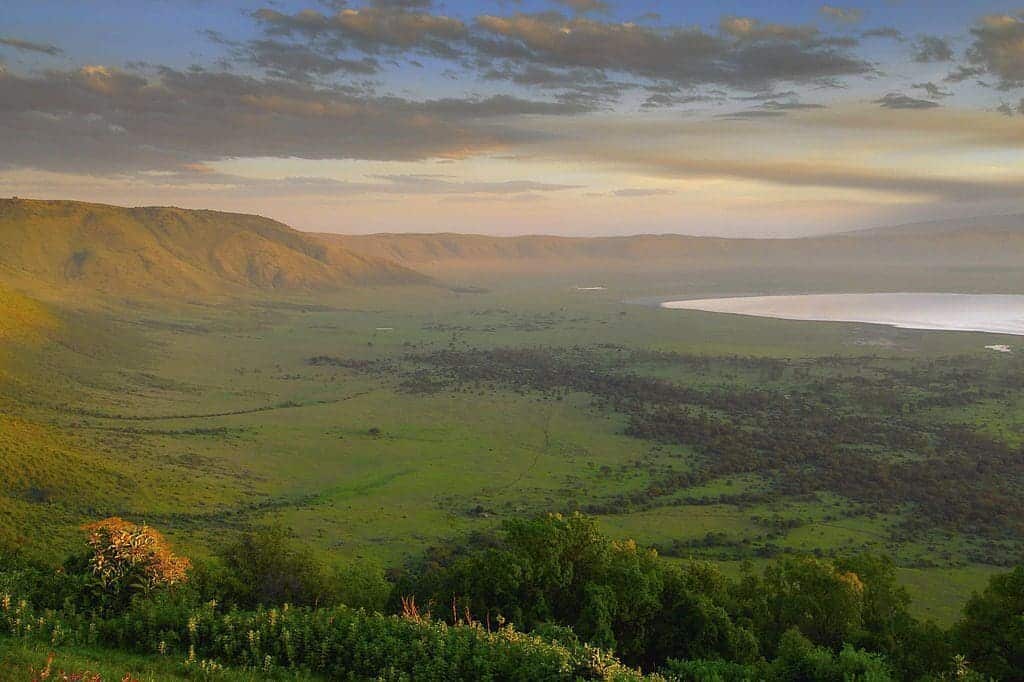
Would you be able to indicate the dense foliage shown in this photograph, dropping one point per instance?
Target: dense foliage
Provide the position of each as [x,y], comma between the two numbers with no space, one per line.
[563,570]
[338,642]
[550,599]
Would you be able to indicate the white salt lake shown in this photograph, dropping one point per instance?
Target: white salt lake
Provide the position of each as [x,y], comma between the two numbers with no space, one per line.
[995,313]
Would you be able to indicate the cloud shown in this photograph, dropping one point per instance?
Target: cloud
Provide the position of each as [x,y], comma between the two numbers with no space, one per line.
[772,109]
[883,32]
[634,192]
[929,49]
[585,6]
[1011,110]
[744,28]
[998,49]
[426,184]
[809,174]
[895,100]
[845,148]
[932,90]
[101,120]
[201,177]
[669,96]
[591,63]
[27,46]
[533,75]
[286,60]
[746,53]
[369,29]
[399,4]
[495,106]
[843,15]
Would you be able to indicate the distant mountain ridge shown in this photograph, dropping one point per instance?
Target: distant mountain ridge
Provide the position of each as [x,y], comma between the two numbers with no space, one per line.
[996,242]
[50,248]
[995,223]
[68,245]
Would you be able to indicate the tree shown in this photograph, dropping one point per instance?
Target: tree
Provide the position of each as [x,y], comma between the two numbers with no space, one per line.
[694,622]
[991,632]
[824,603]
[266,567]
[885,617]
[915,649]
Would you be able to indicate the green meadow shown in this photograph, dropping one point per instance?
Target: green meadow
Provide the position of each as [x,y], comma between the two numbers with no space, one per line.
[209,419]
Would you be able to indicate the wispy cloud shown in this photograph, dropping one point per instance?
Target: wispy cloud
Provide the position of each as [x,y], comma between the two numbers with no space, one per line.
[28,46]
[897,100]
[932,49]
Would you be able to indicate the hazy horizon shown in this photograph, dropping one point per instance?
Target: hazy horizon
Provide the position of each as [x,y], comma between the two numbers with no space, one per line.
[542,117]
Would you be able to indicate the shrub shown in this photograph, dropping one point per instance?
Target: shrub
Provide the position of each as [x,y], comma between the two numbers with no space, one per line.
[358,585]
[266,567]
[340,643]
[712,671]
[126,558]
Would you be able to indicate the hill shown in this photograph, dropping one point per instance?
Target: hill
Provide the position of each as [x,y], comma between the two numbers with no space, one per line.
[66,245]
[997,242]
[1013,223]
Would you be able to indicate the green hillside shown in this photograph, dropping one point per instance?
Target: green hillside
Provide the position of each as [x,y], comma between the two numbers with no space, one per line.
[65,246]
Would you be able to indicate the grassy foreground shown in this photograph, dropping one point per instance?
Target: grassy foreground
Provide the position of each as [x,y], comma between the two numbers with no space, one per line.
[23,661]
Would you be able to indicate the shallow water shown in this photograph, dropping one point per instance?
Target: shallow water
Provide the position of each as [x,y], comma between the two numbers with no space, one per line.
[997,313]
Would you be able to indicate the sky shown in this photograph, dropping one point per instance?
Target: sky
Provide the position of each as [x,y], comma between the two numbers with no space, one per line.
[738,118]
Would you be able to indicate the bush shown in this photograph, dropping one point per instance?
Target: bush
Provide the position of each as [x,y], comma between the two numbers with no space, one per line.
[713,671]
[127,559]
[267,568]
[338,642]
[358,585]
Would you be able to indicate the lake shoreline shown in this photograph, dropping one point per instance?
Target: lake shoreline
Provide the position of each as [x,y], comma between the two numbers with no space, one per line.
[1001,314]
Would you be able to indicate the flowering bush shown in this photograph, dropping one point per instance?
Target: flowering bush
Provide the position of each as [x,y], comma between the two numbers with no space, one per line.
[126,558]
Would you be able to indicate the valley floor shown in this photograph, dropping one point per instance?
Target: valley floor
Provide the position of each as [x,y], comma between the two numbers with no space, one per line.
[353,421]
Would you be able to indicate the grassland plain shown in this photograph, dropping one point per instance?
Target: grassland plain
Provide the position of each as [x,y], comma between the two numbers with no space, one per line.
[205,419]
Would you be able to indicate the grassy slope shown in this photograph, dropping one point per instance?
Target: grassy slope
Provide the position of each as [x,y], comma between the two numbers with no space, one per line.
[76,248]
[22,319]
[50,474]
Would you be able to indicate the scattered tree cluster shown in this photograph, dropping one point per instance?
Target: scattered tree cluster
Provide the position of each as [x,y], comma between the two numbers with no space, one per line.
[863,428]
